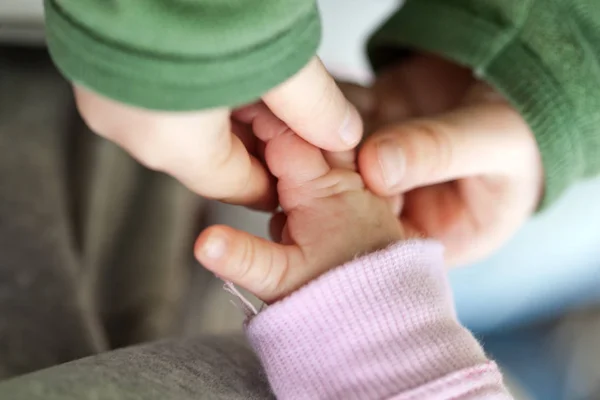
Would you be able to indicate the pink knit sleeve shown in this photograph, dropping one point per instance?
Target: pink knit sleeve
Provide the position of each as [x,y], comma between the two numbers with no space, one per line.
[380,327]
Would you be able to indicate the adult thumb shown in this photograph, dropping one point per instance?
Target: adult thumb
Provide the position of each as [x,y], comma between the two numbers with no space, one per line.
[478,139]
[313,106]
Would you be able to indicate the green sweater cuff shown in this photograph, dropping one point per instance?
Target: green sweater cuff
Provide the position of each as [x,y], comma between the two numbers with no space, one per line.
[182,83]
[501,58]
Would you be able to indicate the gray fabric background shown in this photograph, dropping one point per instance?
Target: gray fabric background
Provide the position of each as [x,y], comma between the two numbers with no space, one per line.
[96,255]
[200,368]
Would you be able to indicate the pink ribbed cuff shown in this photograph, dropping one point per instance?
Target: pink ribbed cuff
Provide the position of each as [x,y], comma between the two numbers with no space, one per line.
[382,326]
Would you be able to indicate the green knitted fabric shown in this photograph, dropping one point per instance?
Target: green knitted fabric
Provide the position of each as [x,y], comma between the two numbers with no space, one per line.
[543,55]
[181,54]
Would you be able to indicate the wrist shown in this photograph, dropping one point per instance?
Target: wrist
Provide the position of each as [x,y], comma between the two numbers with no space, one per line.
[391,310]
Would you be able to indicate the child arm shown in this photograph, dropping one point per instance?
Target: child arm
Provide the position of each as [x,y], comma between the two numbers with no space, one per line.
[380,327]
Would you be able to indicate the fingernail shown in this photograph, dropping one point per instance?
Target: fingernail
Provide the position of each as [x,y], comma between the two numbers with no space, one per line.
[215,247]
[392,162]
[351,130]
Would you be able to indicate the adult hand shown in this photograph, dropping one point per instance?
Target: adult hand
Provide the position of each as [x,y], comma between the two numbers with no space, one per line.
[327,219]
[208,153]
[467,163]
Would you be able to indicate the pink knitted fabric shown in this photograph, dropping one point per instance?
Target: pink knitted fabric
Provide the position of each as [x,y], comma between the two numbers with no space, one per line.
[380,327]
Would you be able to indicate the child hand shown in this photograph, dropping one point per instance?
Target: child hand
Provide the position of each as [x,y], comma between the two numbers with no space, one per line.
[467,162]
[328,219]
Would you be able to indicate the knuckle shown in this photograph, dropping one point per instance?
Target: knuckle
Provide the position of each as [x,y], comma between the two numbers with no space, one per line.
[103,116]
[269,282]
[335,183]
[153,161]
[93,119]
[243,263]
[322,109]
[234,171]
[264,279]
[233,187]
[150,152]
[324,101]
[222,158]
[430,146]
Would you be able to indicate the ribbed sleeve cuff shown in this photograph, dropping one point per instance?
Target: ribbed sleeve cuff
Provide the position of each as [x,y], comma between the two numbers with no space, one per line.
[161,82]
[499,57]
[381,325]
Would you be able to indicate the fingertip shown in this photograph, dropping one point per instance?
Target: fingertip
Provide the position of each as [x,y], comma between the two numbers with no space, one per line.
[313,106]
[351,130]
[371,171]
[212,247]
[253,263]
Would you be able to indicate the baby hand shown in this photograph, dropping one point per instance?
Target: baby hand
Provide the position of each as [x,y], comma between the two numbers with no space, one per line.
[328,218]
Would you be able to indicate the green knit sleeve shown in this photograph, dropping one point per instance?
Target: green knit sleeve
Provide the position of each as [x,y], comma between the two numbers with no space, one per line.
[181,54]
[543,55]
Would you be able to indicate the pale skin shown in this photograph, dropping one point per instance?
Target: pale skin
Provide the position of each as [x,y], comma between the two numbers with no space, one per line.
[203,150]
[328,217]
[460,158]
[468,171]
[464,160]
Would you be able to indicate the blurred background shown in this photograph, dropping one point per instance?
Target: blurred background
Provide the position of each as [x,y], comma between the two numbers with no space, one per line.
[533,304]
